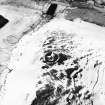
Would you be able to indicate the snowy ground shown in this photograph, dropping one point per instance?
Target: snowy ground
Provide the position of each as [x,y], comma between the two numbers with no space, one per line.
[79,47]
[20,22]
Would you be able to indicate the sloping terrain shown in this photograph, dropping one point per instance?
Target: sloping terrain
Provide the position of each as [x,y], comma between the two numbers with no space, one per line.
[20,22]
[61,66]
[51,62]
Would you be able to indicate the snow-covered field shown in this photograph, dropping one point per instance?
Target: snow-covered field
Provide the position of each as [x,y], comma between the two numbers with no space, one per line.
[62,64]
[20,22]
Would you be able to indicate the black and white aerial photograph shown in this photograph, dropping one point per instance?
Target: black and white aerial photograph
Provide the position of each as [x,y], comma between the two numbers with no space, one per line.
[52,52]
